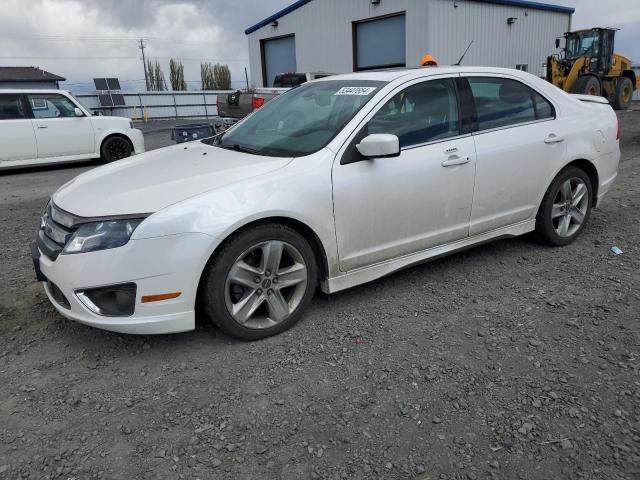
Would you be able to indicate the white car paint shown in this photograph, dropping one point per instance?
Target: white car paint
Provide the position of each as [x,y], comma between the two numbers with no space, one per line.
[43,141]
[371,218]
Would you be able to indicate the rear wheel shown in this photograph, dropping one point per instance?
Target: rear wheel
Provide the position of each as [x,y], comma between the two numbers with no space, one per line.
[565,208]
[587,85]
[624,94]
[115,148]
[260,282]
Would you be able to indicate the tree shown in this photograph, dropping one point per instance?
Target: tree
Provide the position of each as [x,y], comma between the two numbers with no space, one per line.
[157,83]
[215,77]
[206,76]
[176,75]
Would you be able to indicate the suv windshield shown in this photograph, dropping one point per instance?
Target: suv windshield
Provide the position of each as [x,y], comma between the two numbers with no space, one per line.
[301,121]
[584,44]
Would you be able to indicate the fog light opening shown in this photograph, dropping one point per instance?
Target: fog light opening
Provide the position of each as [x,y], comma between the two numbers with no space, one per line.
[110,301]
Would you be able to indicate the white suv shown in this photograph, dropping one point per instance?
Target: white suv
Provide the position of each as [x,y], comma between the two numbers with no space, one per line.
[39,127]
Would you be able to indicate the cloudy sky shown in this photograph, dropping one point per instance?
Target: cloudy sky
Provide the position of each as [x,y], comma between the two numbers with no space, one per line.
[83,39]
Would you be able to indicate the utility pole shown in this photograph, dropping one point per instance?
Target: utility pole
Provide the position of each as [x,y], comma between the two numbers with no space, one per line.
[144,64]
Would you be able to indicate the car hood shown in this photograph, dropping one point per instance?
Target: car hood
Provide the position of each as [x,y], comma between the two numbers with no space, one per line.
[151,181]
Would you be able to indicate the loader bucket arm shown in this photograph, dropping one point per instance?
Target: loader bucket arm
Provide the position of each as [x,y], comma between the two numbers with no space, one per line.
[578,65]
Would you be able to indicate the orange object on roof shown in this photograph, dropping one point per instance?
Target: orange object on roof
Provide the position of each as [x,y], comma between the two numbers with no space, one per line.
[429,61]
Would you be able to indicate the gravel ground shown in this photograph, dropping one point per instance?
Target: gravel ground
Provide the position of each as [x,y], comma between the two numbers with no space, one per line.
[508,361]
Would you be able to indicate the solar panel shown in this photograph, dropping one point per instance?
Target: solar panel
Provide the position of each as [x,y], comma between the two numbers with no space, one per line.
[113,84]
[100,83]
[118,99]
[105,100]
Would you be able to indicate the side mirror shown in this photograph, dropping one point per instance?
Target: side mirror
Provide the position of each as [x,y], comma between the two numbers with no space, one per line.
[78,112]
[379,145]
[557,43]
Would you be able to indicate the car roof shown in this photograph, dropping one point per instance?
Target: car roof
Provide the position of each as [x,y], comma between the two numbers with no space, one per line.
[31,90]
[419,72]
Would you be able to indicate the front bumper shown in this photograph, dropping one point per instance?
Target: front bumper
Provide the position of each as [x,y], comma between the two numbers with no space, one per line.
[156,265]
[137,139]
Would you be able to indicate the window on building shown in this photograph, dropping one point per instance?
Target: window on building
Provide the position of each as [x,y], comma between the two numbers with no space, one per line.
[379,43]
[523,67]
[11,107]
[51,106]
[424,112]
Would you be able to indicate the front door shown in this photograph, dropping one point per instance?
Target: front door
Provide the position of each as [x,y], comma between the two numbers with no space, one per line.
[388,207]
[59,132]
[17,140]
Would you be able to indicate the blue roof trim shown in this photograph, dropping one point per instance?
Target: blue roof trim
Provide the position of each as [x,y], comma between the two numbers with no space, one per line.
[277,15]
[512,3]
[534,5]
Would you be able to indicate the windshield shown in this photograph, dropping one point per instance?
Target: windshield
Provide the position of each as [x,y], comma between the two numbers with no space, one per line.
[584,44]
[300,121]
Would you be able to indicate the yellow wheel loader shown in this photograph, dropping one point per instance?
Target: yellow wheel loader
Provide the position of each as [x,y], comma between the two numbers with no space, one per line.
[589,66]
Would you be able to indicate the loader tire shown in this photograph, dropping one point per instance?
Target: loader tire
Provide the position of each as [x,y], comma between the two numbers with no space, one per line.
[587,85]
[623,95]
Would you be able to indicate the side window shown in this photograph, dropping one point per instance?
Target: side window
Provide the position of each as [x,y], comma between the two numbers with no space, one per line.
[11,107]
[424,112]
[51,106]
[501,102]
[544,109]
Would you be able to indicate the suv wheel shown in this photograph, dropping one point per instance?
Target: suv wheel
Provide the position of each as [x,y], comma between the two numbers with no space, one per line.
[260,282]
[115,148]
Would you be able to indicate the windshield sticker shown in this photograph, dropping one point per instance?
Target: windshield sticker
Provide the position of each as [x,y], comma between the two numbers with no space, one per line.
[364,91]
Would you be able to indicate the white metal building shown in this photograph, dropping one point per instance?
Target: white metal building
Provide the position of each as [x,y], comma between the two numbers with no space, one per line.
[349,35]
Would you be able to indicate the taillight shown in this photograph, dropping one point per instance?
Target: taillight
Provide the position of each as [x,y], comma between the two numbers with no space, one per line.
[257,102]
[619,134]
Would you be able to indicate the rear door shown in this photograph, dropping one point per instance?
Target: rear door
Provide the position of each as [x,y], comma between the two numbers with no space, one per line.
[17,139]
[518,142]
[59,132]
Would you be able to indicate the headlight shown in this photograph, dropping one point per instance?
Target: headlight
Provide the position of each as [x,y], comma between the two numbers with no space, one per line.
[102,235]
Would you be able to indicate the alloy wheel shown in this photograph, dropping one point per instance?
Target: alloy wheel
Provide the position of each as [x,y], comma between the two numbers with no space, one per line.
[265,284]
[570,207]
[118,148]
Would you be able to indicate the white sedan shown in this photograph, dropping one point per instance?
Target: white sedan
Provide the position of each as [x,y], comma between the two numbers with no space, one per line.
[336,183]
[42,127]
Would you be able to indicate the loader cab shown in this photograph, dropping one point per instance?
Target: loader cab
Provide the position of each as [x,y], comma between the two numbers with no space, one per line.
[595,44]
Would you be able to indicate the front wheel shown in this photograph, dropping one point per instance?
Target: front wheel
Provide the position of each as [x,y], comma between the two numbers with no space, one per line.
[115,148]
[565,208]
[260,282]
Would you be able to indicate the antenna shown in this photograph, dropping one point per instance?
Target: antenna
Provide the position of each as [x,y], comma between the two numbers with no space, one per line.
[465,52]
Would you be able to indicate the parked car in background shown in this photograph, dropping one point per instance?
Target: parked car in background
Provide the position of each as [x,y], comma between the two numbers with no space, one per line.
[237,105]
[335,183]
[40,127]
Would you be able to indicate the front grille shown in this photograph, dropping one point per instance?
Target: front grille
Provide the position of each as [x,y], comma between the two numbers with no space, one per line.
[58,296]
[56,229]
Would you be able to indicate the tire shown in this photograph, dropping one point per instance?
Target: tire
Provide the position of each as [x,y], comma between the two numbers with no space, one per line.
[587,85]
[624,94]
[115,148]
[563,215]
[246,298]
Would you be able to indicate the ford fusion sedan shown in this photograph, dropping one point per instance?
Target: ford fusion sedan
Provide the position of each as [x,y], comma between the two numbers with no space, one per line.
[42,127]
[333,184]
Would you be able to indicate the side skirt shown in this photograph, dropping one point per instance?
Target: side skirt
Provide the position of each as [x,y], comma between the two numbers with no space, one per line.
[379,270]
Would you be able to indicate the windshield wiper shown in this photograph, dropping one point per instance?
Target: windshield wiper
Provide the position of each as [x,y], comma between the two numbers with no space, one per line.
[239,148]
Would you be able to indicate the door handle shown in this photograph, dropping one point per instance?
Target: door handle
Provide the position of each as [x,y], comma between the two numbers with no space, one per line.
[553,138]
[455,160]
[43,126]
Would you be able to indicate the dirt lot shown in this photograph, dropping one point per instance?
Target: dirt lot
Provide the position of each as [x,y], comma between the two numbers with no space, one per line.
[510,361]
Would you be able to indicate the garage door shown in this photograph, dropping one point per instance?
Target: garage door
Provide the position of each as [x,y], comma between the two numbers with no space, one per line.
[380,43]
[279,56]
